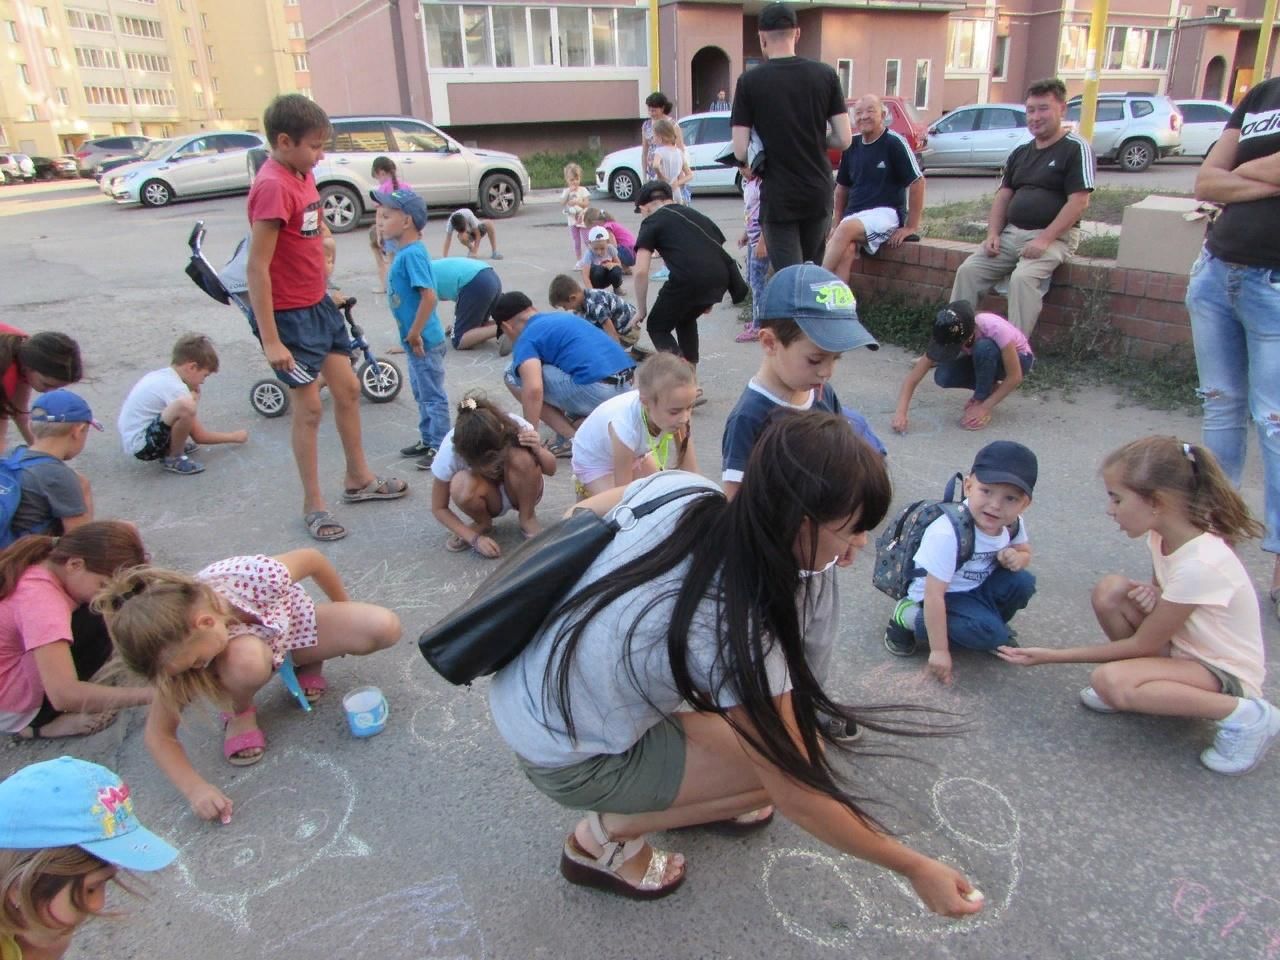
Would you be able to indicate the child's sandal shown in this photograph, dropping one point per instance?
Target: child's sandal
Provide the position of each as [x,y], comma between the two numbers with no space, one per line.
[234,747]
[581,868]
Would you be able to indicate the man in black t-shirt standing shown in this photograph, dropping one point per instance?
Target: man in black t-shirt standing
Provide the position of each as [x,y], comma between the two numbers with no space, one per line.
[1234,299]
[691,246]
[789,102]
[879,195]
[1034,222]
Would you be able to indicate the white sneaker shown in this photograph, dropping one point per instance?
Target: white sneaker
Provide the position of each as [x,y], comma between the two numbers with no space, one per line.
[1237,748]
[1089,697]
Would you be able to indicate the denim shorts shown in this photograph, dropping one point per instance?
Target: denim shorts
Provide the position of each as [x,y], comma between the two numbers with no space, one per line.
[311,334]
[575,399]
[644,779]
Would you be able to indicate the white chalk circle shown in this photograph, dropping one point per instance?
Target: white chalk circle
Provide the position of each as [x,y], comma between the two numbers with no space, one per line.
[964,798]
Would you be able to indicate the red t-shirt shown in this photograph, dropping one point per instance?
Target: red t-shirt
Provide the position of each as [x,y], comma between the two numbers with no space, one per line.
[297,268]
[11,375]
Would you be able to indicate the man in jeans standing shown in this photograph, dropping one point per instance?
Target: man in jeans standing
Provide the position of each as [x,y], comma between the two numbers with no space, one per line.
[1234,299]
[789,101]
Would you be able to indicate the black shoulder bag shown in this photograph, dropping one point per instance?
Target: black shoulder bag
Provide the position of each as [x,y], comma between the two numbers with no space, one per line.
[506,612]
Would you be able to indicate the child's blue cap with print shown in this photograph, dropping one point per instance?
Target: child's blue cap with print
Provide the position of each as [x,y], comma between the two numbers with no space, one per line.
[62,406]
[820,303]
[406,200]
[74,803]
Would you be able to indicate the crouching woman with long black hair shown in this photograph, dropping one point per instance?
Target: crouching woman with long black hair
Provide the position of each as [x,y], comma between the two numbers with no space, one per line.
[705,603]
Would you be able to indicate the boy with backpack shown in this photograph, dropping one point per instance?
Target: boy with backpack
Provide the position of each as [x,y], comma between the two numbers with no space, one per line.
[967,566]
[39,493]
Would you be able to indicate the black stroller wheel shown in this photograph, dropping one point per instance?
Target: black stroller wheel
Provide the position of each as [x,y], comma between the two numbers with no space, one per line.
[269,398]
[380,381]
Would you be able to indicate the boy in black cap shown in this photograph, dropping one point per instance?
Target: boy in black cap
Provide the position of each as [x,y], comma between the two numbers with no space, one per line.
[984,353]
[970,604]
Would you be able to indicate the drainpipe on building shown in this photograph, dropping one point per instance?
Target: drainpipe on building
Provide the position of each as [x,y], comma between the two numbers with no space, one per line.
[402,64]
[1093,63]
[655,62]
[1261,60]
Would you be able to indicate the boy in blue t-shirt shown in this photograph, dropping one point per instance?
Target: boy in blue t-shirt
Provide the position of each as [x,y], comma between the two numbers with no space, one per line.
[808,319]
[562,367]
[474,287]
[411,292]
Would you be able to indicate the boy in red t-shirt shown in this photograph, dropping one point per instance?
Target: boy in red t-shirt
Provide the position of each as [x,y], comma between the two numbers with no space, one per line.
[302,333]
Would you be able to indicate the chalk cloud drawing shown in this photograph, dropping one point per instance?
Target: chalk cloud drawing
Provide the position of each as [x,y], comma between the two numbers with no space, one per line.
[1238,916]
[292,811]
[428,921]
[975,830]
[435,722]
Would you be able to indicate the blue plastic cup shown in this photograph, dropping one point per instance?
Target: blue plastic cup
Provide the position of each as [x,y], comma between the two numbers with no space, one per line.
[367,710]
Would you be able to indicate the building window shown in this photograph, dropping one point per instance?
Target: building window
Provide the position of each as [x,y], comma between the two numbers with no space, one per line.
[891,70]
[213,82]
[110,96]
[53,56]
[295,30]
[542,38]
[475,32]
[33,114]
[306,92]
[208,52]
[1000,59]
[602,34]
[574,36]
[844,70]
[186,35]
[11,28]
[221,115]
[444,36]
[300,63]
[195,67]
[24,74]
[147,62]
[922,84]
[98,58]
[1073,47]
[204,21]
[199,100]
[64,96]
[1134,48]
[510,37]
[88,20]
[150,96]
[44,16]
[968,44]
[290,3]
[141,27]
[633,38]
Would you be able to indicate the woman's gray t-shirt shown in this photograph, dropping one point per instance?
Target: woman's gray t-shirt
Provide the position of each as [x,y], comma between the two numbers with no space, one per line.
[615,702]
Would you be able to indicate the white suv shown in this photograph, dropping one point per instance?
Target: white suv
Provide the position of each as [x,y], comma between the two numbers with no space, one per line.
[443,171]
[1133,129]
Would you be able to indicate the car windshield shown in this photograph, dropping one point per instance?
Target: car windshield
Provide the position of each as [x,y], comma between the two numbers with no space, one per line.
[158,149]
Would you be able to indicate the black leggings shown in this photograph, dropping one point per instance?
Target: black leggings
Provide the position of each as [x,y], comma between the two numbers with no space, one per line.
[673,311]
[90,649]
[602,277]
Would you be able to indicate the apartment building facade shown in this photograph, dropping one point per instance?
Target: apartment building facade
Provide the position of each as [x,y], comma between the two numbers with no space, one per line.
[71,70]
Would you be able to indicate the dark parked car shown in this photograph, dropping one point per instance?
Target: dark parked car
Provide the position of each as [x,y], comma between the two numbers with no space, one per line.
[56,168]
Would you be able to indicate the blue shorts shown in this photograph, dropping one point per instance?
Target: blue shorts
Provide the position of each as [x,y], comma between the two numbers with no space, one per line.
[156,439]
[475,302]
[311,334]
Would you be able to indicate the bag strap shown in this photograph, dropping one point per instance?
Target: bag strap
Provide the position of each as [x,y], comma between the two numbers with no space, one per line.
[949,494]
[675,208]
[650,506]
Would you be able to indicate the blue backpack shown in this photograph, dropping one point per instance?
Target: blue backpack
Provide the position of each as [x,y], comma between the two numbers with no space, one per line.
[11,467]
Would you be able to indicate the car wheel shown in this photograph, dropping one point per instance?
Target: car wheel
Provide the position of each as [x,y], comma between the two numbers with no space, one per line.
[499,196]
[341,207]
[1136,155]
[155,193]
[623,184]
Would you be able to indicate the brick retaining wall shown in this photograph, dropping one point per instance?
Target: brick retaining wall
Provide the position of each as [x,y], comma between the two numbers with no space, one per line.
[1147,312]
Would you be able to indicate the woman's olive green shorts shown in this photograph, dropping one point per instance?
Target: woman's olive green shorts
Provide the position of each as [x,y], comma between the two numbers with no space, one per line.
[644,779]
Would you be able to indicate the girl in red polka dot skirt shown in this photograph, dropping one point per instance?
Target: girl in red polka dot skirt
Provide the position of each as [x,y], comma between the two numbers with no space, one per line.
[220,635]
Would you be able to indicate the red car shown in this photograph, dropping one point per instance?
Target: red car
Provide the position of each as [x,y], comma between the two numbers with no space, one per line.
[901,117]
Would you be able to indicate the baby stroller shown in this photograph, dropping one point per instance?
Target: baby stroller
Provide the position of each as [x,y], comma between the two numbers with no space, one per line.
[380,379]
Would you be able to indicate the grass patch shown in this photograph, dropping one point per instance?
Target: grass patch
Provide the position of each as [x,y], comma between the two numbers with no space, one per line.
[547,169]
[1063,368]
[1103,246]
[967,219]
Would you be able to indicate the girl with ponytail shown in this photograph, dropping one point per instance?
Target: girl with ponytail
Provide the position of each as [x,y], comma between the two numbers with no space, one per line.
[1189,642]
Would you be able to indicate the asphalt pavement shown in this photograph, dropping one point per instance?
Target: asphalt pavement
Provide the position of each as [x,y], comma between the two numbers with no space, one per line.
[1091,836]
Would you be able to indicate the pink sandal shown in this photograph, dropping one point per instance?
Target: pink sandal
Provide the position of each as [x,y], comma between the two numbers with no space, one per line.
[748,335]
[313,685]
[233,747]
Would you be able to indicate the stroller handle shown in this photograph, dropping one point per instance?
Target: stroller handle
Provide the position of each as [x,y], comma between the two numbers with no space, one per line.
[197,237]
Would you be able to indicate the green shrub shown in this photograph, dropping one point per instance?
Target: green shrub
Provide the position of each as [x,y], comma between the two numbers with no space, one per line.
[547,169]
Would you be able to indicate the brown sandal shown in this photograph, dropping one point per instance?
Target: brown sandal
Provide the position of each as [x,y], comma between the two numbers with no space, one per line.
[581,868]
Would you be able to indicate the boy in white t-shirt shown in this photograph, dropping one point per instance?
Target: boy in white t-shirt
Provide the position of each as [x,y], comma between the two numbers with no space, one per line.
[971,606]
[159,418]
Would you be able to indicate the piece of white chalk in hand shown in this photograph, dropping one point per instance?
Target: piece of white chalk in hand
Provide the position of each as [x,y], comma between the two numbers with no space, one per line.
[974,895]
[226,818]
